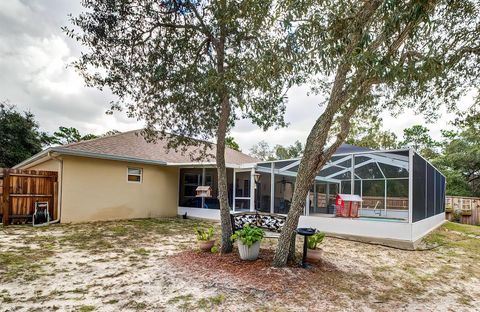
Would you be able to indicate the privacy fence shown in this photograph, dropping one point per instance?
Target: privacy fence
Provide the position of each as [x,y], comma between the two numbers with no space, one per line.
[21,189]
[463,209]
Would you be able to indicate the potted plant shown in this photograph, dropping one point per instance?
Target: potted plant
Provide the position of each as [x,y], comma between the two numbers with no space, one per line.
[248,241]
[204,237]
[466,212]
[313,253]
[449,208]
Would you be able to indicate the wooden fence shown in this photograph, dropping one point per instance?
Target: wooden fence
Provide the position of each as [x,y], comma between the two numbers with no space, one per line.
[466,209]
[20,189]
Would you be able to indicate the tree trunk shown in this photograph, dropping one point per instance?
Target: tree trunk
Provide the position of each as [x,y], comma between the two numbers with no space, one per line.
[223,122]
[226,224]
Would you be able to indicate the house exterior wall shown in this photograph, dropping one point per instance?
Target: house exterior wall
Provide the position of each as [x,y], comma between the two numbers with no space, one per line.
[49,165]
[96,190]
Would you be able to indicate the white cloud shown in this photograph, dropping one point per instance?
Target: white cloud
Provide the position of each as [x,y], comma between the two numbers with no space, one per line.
[34,54]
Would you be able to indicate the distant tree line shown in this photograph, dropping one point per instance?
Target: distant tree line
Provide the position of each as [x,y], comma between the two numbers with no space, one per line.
[456,154]
[21,137]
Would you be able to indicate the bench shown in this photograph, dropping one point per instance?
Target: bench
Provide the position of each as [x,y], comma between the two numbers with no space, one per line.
[271,223]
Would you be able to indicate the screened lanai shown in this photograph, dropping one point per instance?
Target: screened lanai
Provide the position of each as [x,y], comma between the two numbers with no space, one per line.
[390,183]
[402,194]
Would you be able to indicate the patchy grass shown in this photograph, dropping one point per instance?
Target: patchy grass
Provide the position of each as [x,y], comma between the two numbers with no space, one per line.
[86,308]
[24,263]
[210,303]
[463,228]
[127,265]
[141,252]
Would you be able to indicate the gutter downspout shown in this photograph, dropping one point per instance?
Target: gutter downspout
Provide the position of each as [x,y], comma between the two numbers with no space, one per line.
[60,197]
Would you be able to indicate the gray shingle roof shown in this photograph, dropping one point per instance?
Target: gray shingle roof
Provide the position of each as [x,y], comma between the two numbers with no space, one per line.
[132,144]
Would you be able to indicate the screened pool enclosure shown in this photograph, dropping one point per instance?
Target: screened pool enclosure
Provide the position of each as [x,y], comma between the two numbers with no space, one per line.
[403,195]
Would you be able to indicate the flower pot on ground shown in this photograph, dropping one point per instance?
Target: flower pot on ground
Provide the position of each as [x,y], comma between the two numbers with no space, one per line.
[204,237]
[314,254]
[248,242]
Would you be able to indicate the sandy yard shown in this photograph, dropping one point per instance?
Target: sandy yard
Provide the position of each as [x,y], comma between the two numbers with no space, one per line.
[153,264]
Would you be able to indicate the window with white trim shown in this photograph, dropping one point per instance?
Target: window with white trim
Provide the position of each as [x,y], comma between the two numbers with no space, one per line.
[134,175]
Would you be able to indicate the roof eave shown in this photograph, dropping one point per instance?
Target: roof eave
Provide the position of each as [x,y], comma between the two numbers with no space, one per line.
[69,152]
[34,158]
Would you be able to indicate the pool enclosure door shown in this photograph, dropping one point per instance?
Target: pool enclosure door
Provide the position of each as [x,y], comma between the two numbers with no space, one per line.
[322,198]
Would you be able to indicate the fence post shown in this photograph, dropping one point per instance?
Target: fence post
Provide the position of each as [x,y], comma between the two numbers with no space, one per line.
[6,196]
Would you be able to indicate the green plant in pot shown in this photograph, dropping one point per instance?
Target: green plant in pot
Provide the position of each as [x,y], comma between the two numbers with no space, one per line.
[449,208]
[205,238]
[314,254]
[248,240]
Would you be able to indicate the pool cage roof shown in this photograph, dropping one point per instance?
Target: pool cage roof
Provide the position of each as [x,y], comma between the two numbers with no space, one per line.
[350,163]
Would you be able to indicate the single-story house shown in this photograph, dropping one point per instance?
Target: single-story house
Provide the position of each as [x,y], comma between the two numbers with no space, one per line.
[123,176]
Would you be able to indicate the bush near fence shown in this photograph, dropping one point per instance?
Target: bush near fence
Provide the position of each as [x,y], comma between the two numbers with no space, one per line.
[465,210]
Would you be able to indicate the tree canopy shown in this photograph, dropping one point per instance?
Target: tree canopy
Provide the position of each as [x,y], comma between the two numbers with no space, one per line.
[369,134]
[20,137]
[231,143]
[189,69]
[170,62]
[67,135]
[459,156]
[375,55]
[263,151]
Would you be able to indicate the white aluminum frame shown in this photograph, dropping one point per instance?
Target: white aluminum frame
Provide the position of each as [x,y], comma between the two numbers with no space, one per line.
[136,175]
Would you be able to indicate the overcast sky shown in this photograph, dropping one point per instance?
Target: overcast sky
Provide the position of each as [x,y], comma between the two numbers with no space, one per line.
[34,54]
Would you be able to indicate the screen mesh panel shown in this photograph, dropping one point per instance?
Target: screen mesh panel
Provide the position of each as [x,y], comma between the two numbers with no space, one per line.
[419,188]
[430,191]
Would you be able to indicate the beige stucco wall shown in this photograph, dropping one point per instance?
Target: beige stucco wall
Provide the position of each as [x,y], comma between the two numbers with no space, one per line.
[49,165]
[95,189]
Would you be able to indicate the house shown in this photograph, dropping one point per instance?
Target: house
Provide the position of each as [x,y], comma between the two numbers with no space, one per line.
[123,176]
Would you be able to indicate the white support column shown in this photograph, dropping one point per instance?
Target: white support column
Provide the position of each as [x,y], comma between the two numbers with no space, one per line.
[307,204]
[327,194]
[385,198]
[272,187]
[352,174]
[410,186]
[361,194]
[234,189]
[252,190]
[203,184]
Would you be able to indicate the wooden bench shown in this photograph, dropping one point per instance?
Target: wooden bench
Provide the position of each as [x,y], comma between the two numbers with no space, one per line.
[270,222]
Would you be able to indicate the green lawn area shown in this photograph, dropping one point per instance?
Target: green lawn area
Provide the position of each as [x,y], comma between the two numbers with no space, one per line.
[154,264]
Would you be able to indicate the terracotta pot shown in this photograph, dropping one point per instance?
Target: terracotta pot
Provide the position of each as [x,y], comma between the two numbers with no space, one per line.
[248,253]
[314,255]
[206,245]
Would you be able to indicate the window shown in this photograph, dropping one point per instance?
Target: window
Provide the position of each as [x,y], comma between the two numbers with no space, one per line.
[134,175]
[190,183]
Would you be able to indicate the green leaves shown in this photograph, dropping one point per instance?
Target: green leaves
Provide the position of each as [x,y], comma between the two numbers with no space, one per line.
[171,62]
[20,137]
[315,239]
[204,234]
[248,235]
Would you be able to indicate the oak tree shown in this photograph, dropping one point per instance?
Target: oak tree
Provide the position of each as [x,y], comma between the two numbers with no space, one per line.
[373,55]
[189,69]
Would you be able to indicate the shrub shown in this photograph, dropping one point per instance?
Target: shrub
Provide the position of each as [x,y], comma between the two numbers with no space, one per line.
[204,234]
[248,235]
[315,239]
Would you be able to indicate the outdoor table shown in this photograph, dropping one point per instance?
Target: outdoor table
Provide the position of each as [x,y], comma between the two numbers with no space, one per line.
[305,232]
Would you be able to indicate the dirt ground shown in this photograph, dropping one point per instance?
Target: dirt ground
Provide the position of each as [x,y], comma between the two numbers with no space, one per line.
[154,264]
